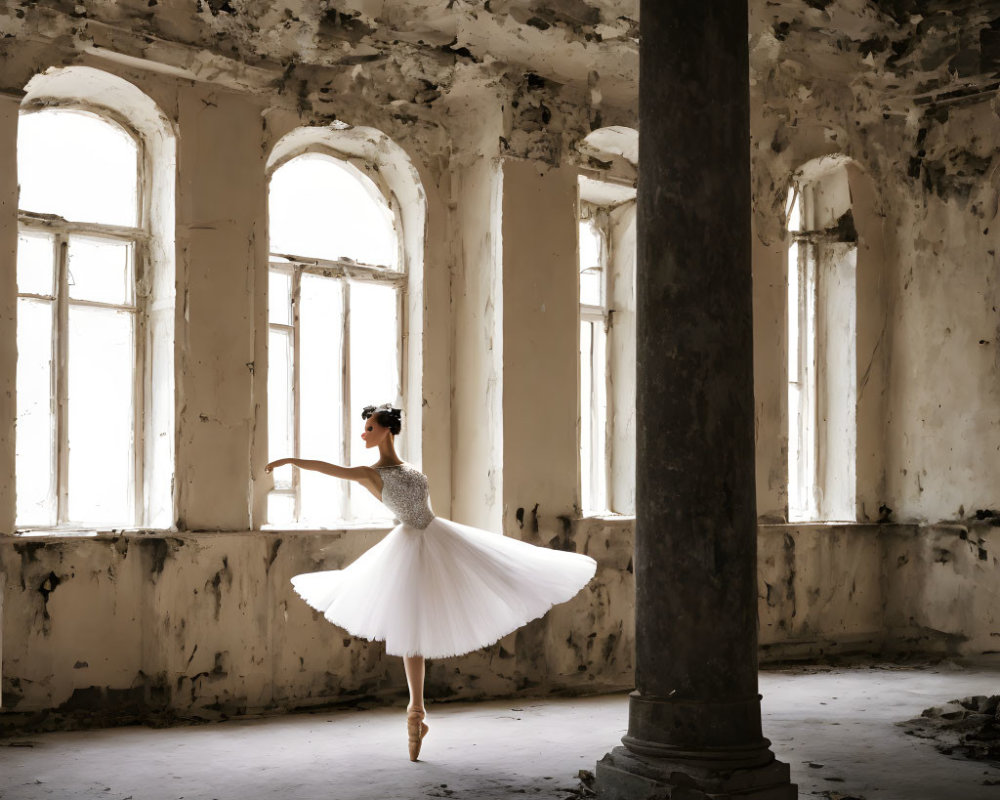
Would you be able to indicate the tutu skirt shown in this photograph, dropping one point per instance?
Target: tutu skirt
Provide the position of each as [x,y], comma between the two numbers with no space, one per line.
[444,590]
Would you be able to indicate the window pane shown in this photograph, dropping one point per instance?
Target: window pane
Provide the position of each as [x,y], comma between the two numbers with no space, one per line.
[586,417]
[78,166]
[590,245]
[374,374]
[100,270]
[101,366]
[280,509]
[793,312]
[793,210]
[591,263]
[599,500]
[279,297]
[35,264]
[321,207]
[34,433]
[280,443]
[321,395]
[590,286]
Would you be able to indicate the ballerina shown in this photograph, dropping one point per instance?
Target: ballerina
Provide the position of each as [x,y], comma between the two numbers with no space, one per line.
[432,588]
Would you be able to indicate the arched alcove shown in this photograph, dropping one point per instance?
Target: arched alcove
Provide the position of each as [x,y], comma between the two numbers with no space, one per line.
[383,170]
[607,192]
[837,311]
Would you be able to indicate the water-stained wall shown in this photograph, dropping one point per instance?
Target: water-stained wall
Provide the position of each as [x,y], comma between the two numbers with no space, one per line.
[904,91]
[199,619]
[173,626]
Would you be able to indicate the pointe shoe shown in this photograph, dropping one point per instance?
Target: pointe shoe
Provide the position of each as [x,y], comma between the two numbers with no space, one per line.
[416,730]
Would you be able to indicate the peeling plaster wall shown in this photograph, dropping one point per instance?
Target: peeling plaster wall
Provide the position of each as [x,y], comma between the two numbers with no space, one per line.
[540,351]
[184,623]
[944,424]
[201,620]
[181,626]
[207,625]
[884,590]
[477,306]
[222,239]
[942,592]
[904,91]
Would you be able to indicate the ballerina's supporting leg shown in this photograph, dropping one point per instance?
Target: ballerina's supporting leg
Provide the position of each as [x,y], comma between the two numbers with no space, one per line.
[416,730]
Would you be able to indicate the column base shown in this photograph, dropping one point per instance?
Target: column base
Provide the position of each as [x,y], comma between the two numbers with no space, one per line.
[623,775]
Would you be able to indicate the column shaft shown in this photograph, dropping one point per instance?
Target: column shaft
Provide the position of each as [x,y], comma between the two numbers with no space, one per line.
[695,716]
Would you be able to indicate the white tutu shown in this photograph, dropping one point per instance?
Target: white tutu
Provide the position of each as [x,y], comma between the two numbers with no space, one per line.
[444,589]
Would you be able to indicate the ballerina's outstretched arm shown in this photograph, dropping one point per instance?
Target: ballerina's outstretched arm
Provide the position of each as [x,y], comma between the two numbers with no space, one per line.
[366,476]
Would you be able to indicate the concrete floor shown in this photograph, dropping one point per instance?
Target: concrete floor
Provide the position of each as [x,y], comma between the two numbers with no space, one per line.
[835,727]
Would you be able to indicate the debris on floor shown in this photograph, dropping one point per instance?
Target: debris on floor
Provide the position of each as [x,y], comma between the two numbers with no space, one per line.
[969,727]
[585,789]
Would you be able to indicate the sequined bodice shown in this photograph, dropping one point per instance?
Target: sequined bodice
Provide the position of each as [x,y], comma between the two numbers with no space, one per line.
[404,493]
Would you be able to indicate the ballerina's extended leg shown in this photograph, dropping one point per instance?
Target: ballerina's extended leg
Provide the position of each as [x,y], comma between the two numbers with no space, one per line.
[416,730]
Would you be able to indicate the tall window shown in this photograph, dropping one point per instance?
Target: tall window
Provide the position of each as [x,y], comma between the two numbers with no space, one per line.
[594,319]
[822,348]
[79,263]
[335,342]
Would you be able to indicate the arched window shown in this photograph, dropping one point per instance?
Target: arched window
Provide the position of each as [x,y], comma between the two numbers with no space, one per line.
[95,284]
[822,344]
[79,336]
[336,323]
[606,249]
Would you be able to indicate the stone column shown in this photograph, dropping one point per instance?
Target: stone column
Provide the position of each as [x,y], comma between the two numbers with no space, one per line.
[477,308]
[694,719]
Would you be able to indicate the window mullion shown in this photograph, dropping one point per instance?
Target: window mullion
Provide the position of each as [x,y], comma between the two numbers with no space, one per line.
[61,394]
[608,438]
[139,380]
[345,400]
[295,405]
[595,464]
[818,396]
[402,343]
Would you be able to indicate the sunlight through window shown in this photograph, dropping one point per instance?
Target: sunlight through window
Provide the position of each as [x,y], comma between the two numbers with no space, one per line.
[76,443]
[335,335]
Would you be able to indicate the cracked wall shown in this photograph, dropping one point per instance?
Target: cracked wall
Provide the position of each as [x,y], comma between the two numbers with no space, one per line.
[906,91]
[173,627]
[201,621]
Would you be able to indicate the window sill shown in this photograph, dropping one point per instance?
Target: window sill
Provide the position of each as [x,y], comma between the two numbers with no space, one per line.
[370,525]
[833,524]
[56,534]
[611,516]
[88,533]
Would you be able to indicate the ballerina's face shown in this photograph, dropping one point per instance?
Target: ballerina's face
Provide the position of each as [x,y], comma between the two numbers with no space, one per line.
[373,433]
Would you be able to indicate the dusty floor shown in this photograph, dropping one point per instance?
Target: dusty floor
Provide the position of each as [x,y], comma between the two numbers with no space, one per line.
[835,727]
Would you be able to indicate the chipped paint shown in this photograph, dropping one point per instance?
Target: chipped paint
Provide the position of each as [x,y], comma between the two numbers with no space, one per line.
[201,622]
[220,634]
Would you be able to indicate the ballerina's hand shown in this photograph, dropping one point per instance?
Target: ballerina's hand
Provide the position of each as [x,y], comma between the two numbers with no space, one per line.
[275,464]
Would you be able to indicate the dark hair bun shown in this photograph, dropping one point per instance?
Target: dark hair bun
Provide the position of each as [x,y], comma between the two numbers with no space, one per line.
[386,416]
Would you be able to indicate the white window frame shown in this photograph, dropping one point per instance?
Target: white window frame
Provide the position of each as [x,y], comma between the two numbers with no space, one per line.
[598,315]
[803,430]
[808,376]
[139,237]
[348,272]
